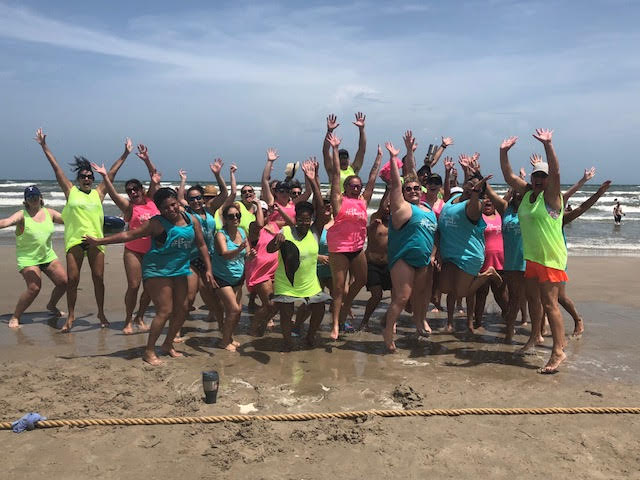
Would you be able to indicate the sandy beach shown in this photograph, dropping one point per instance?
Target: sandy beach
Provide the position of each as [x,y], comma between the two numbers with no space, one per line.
[98,373]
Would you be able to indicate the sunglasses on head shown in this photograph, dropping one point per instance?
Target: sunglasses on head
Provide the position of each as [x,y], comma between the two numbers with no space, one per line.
[132,189]
[195,198]
[88,176]
[415,188]
[233,216]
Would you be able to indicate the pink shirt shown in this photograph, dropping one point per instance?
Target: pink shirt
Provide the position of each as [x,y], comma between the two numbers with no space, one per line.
[289,209]
[349,230]
[139,215]
[263,265]
[493,246]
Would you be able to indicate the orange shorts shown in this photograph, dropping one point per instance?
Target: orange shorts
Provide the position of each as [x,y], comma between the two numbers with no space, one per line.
[544,274]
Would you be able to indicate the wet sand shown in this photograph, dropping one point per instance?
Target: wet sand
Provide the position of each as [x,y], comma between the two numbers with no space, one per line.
[94,373]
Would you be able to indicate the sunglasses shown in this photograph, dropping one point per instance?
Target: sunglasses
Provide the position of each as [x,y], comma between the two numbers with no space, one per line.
[132,189]
[415,188]
[86,176]
[246,192]
[195,198]
[295,193]
[281,190]
[355,186]
[232,216]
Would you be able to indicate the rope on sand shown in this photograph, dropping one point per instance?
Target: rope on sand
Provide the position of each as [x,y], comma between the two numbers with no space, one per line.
[297,417]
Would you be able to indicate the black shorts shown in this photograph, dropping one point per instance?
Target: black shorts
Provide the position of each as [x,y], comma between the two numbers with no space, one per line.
[44,266]
[350,255]
[223,283]
[617,218]
[378,275]
[199,265]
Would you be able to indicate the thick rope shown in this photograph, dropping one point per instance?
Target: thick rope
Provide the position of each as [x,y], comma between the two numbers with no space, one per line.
[297,417]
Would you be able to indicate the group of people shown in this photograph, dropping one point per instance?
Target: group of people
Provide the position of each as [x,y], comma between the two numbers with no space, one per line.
[429,236]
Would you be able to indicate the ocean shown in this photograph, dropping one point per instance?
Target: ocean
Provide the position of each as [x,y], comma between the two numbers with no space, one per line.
[594,233]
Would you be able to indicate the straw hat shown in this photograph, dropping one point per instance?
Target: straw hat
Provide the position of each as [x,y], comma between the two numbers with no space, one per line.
[291,169]
[210,191]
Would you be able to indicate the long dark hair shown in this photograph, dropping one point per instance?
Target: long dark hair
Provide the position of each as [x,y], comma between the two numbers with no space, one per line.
[79,164]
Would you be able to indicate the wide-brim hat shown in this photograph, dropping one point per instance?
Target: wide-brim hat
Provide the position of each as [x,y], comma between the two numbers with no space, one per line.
[210,191]
[291,169]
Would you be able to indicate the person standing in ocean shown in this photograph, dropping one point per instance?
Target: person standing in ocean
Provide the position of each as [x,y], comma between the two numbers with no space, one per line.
[617,212]
[34,252]
[83,215]
[540,213]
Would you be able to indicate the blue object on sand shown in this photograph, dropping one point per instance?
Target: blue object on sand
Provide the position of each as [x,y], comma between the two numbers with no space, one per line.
[113,224]
[27,422]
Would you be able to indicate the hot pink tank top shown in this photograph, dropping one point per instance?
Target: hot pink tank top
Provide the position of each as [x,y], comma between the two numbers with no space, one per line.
[289,209]
[349,230]
[139,215]
[493,246]
[263,265]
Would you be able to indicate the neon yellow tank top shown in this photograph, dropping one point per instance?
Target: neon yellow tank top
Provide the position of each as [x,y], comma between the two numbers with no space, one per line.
[542,240]
[346,173]
[82,215]
[305,281]
[33,245]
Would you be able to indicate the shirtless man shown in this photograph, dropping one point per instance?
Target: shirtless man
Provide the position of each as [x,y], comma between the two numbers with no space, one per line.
[378,275]
[617,212]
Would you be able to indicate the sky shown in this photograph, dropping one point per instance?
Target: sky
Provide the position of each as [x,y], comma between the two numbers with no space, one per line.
[199,80]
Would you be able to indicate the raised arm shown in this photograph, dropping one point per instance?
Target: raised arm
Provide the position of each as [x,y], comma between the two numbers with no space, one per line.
[154,175]
[589,173]
[446,142]
[400,209]
[362,142]
[498,202]
[474,205]
[511,178]
[309,169]
[449,167]
[552,189]
[371,181]
[128,147]
[122,203]
[586,205]
[332,124]
[216,202]
[14,219]
[181,188]
[234,187]
[334,176]
[308,190]
[409,162]
[63,181]
[267,196]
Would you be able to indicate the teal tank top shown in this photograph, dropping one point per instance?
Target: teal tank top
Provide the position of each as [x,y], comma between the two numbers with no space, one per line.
[171,258]
[208,225]
[512,240]
[413,242]
[461,241]
[229,270]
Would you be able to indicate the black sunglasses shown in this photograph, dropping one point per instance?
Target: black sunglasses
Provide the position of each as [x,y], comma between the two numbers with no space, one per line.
[232,216]
[87,176]
[415,188]
[194,198]
[355,186]
[245,192]
[132,189]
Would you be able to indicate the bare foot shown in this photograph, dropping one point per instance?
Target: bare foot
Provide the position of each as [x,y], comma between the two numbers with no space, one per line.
[578,330]
[335,332]
[553,364]
[178,339]
[14,323]
[152,359]
[524,323]
[104,323]
[128,328]
[540,341]
[235,344]
[434,310]
[143,327]
[172,352]
[230,347]
[66,328]
[389,344]
[55,311]
[270,325]
[527,349]
[448,328]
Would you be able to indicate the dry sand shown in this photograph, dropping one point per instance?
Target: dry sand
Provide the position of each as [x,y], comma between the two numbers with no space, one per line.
[94,373]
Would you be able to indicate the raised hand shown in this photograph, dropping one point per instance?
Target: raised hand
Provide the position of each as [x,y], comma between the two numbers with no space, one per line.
[128,145]
[523,173]
[216,166]
[447,141]
[544,135]
[40,137]
[464,161]
[156,177]
[475,157]
[360,118]
[332,123]
[142,153]
[604,187]
[183,175]
[379,151]
[409,141]
[233,168]
[99,169]
[478,186]
[448,164]
[507,143]
[333,140]
[272,155]
[589,173]
[534,159]
[454,173]
[309,168]
[393,151]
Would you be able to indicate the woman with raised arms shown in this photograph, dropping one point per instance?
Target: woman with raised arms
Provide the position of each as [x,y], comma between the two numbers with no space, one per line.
[165,267]
[83,215]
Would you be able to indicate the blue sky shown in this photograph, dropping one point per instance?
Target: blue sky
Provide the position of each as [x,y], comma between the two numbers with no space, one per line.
[194,80]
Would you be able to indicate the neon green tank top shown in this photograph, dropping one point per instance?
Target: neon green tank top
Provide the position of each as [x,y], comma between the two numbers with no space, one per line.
[33,245]
[82,215]
[346,173]
[542,240]
[305,281]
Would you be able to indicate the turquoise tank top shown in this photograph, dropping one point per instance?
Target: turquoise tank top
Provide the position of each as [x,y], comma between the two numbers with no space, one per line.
[413,242]
[324,271]
[208,226]
[229,270]
[512,239]
[461,241]
[171,258]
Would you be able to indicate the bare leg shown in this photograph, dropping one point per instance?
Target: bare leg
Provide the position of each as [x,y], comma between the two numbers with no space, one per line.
[515,285]
[232,314]
[549,297]
[532,291]
[480,301]
[96,262]
[145,300]
[58,275]
[402,276]
[569,306]
[339,266]
[358,274]
[286,312]
[317,314]
[266,312]
[75,257]
[32,278]
[133,270]
[178,314]
[372,303]
[420,299]
[161,291]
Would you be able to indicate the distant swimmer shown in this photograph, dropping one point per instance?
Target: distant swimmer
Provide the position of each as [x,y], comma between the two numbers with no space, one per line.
[617,212]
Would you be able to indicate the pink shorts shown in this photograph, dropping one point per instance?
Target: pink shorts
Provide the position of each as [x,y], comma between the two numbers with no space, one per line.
[544,274]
